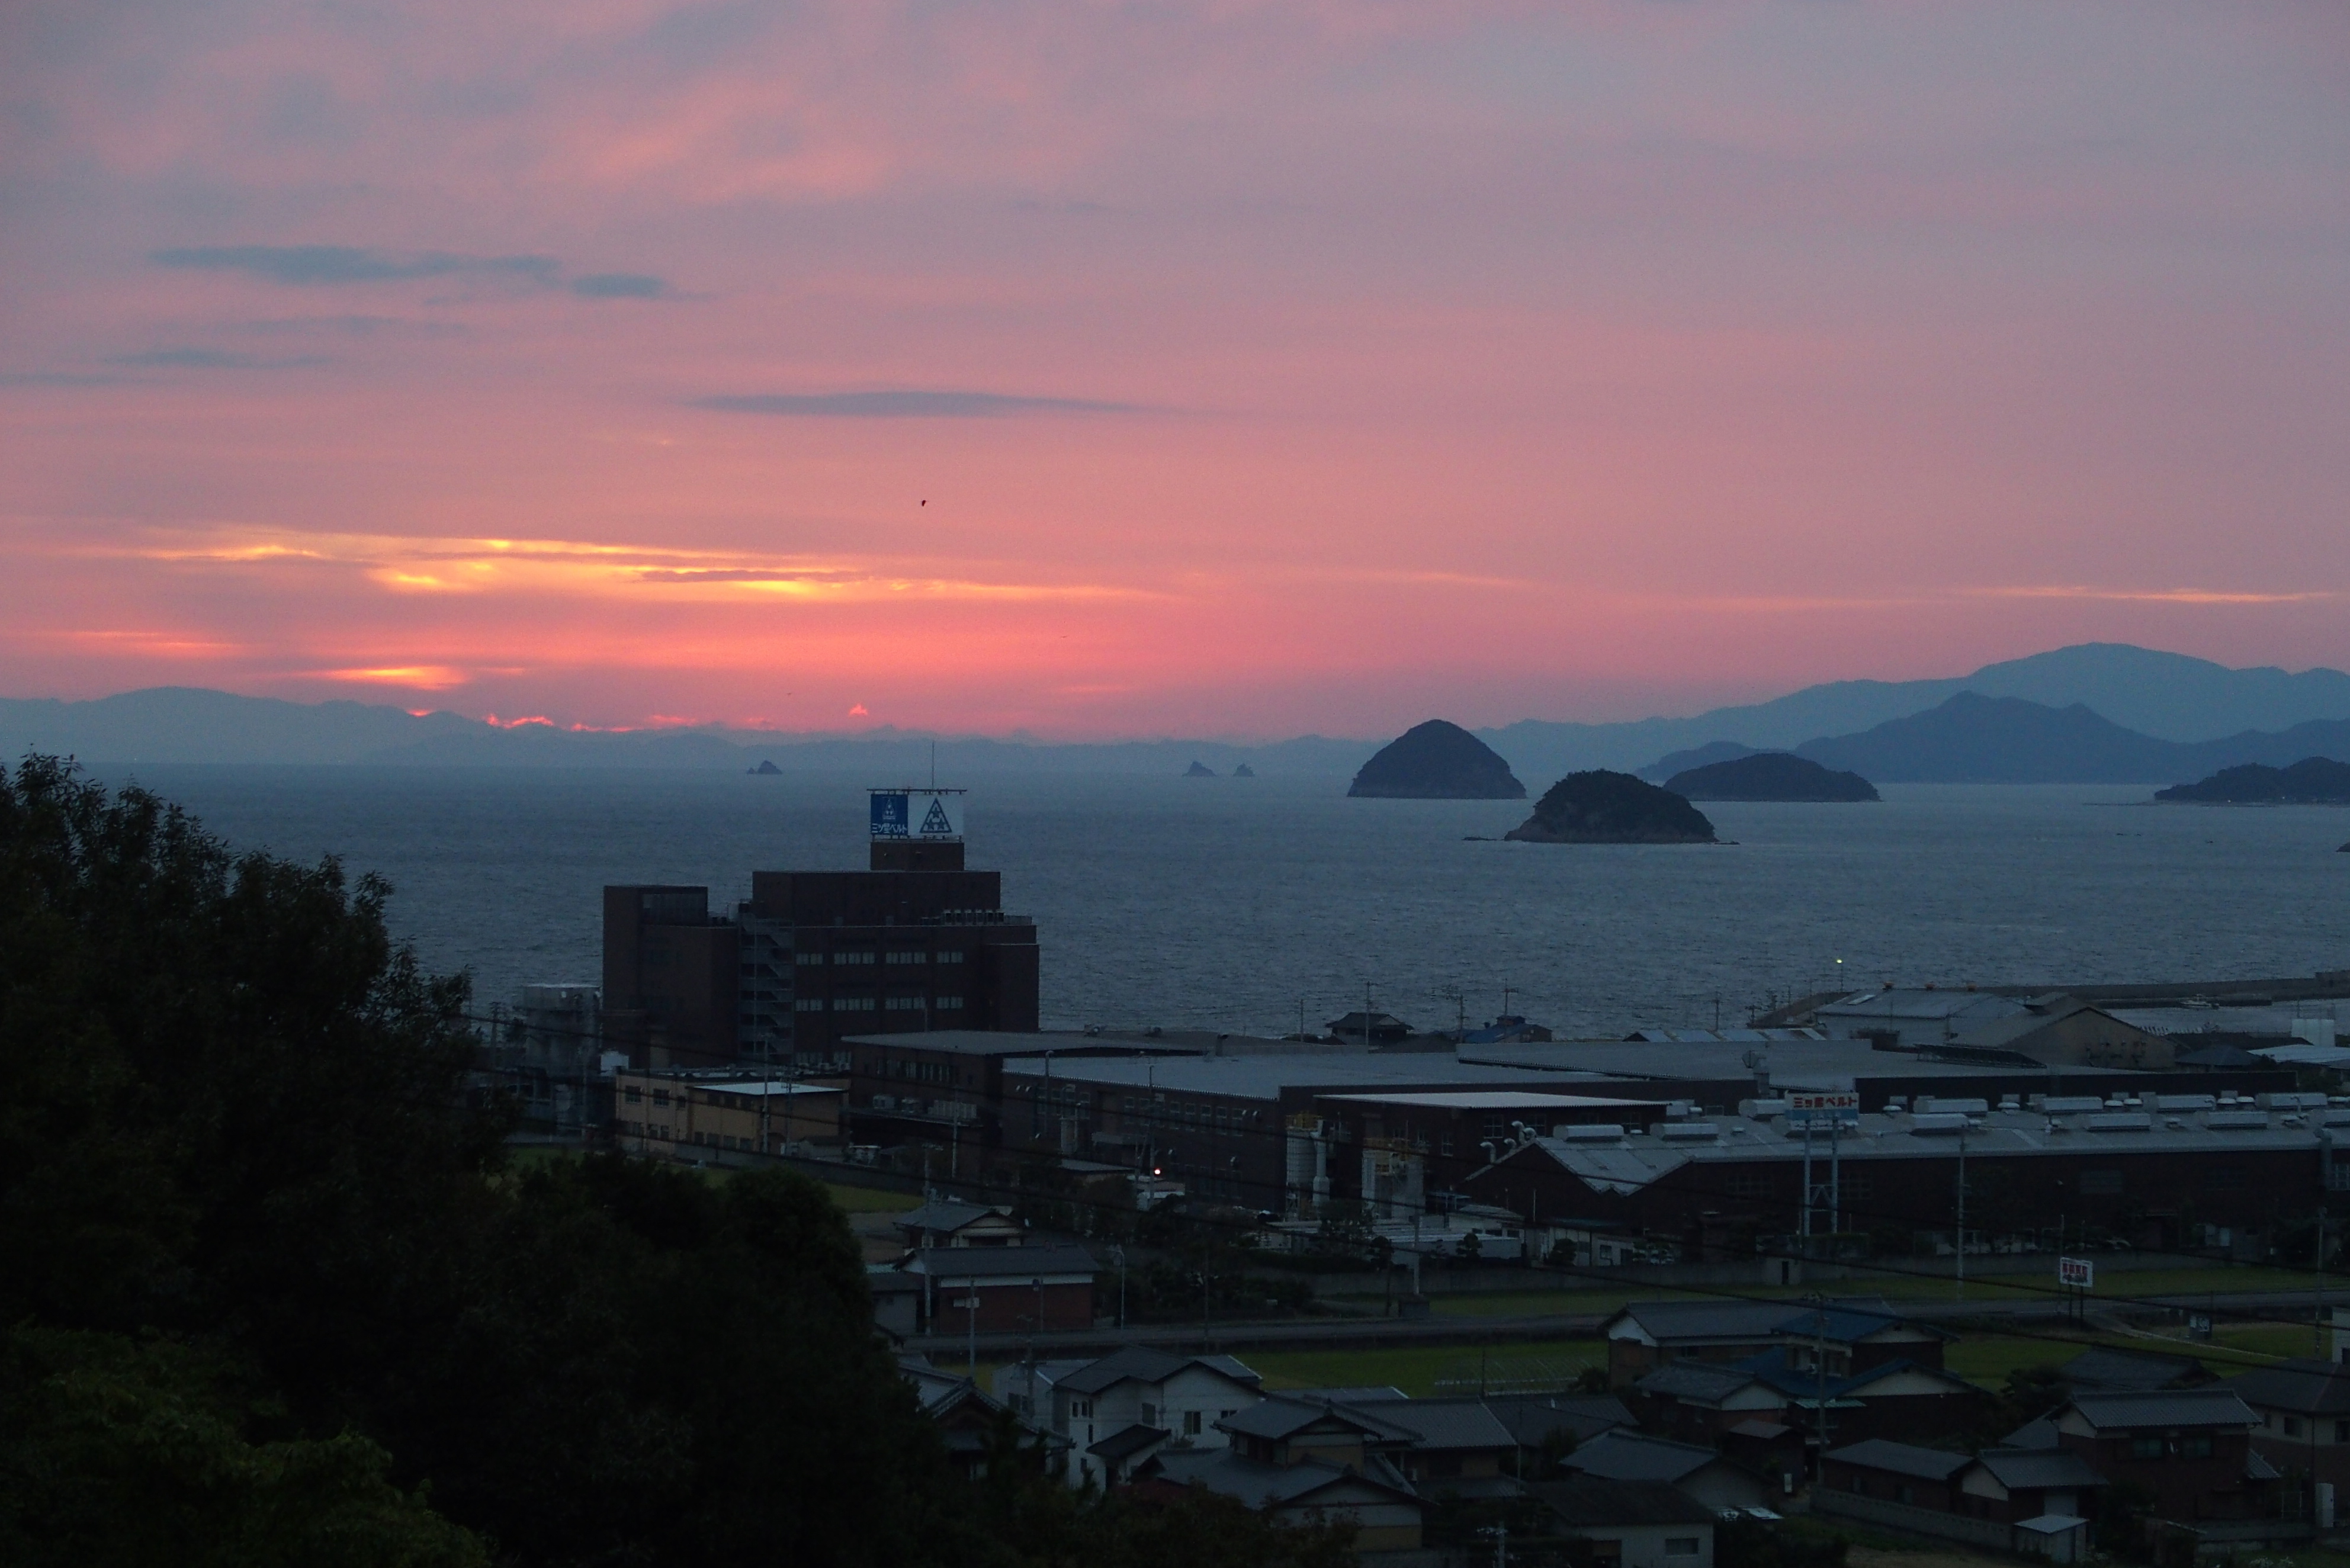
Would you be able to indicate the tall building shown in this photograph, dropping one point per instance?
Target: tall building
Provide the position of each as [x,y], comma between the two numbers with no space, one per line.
[917,941]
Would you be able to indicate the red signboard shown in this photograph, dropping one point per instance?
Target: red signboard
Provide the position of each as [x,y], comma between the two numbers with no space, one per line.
[2076,1273]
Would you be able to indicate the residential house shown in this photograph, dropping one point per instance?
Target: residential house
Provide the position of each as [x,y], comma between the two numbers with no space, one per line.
[2018,1485]
[1853,1334]
[1122,1398]
[1698,1473]
[1006,1290]
[1442,1446]
[944,1222]
[897,1301]
[1702,1402]
[1632,1524]
[2190,1448]
[1378,1501]
[2302,1408]
[1548,1426]
[2034,1501]
[975,1425]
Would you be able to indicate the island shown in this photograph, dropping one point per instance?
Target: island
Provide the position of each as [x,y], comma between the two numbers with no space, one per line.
[1243,772]
[1199,771]
[2313,781]
[1605,807]
[1437,761]
[766,768]
[1770,775]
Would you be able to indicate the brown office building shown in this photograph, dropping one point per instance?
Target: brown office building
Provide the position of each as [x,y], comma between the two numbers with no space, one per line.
[916,942]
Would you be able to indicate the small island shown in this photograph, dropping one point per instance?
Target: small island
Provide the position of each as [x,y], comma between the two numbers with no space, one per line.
[1770,775]
[1437,761]
[1605,807]
[1199,770]
[1243,772]
[766,768]
[2313,781]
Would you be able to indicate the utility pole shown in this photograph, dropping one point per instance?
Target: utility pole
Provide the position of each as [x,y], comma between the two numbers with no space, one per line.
[1820,1377]
[1962,1211]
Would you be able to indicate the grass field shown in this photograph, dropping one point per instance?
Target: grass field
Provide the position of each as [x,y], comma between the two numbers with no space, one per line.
[871,1199]
[1422,1371]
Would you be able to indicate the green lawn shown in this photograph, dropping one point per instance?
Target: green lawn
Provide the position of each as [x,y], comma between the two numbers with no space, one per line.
[871,1199]
[1422,1371]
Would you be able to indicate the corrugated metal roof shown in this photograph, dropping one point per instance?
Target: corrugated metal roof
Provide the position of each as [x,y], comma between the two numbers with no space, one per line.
[2302,1385]
[2033,1468]
[2217,1406]
[1598,1502]
[1627,1456]
[1903,1458]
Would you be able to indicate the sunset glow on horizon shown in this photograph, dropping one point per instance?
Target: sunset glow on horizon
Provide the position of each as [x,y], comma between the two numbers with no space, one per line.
[1102,371]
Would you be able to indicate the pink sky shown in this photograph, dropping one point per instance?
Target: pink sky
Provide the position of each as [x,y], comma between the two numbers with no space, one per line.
[1120,370]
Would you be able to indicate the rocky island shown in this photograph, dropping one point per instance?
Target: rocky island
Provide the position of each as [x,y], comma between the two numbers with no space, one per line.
[1603,808]
[1199,770]
[1770,775]
[1437,761]
[2313,781]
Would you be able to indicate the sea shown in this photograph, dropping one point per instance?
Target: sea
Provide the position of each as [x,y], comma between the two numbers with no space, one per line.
[1251,906]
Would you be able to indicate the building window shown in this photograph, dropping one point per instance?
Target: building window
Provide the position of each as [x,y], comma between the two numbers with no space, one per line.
[903,1004]
[2197,1444]
[1191,1423]
[2145,1447]
[2342,1431]
[1083,1409]
[2292,1426]
[948,1004]
[1743,1184]
[633,1095]
[853,956]
[660,1096]
[905,956]
[1680,1545]
[852,1004]
[808,1004]
[809,957]
[947,955]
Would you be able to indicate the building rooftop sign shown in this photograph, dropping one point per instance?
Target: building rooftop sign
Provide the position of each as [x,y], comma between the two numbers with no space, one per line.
[929,816]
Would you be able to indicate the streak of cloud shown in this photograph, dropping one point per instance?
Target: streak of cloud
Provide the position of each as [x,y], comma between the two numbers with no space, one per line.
[904,403]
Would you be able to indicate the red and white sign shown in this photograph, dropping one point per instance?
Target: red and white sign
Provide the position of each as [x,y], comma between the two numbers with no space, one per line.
[2076,1273]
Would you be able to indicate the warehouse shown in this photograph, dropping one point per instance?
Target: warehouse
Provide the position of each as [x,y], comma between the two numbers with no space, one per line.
[2172,1170]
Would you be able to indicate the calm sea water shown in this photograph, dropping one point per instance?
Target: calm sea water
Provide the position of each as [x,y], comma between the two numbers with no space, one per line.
[1227,904]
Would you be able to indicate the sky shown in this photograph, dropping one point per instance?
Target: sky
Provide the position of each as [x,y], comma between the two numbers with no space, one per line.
[1196,367]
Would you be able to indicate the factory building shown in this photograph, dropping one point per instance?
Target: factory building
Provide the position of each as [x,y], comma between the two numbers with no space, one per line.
[2170,1171]
[915,943]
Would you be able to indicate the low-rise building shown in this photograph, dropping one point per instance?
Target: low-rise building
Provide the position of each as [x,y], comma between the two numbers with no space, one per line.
[1856,1334]
[2303,1408]
[944,1222]
[1632,1524]
[688,1114]
[2191,1449]
[1116,1411]
[1697,1472]
[1006,1290]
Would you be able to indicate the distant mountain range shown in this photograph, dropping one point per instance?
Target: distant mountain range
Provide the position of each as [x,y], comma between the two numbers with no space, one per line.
[2096,712]
[1974,738]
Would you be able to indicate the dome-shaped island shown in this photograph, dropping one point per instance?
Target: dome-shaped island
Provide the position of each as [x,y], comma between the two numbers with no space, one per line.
[1437,761]
[1605,807]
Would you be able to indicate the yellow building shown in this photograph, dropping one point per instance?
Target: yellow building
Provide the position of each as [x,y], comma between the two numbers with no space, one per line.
[661,1112]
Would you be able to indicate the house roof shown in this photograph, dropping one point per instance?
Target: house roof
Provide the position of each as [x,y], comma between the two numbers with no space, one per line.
[946,1214]
[2105,1370]
[1903,1458]
[1627,1456]
[2029,1469]
[1705,1382]
[1004,1263]
[1532,1417]
[1260,1485]
[2302,1385]
[1283,1416]
[1590,1502]
[1696,1323]
[1447,1423]
[1772,1367]
[2038,1434]
[1368,1394]
[2215,1406]
[1140,1364]
[1126,1442]
[1850,1323]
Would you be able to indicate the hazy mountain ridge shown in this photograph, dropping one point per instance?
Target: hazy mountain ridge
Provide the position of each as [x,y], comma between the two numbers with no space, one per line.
[2162,699]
